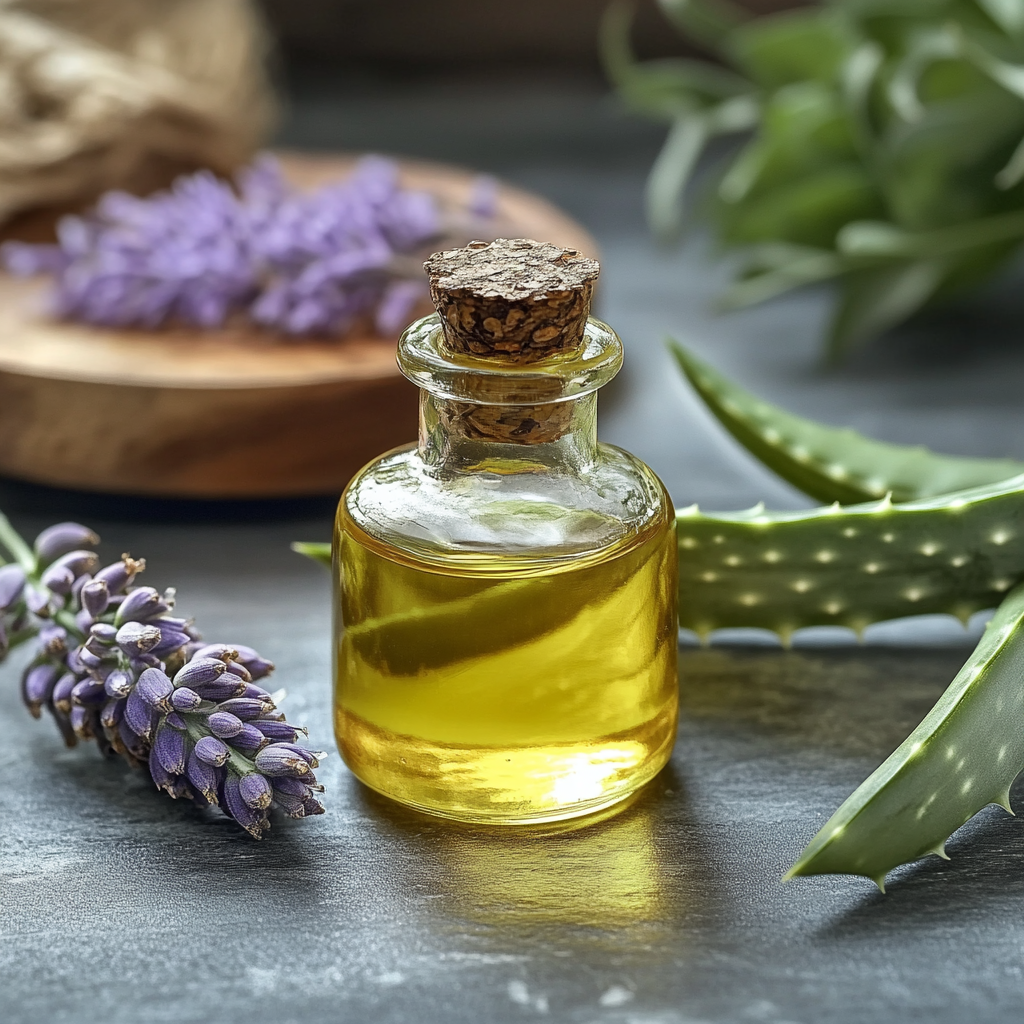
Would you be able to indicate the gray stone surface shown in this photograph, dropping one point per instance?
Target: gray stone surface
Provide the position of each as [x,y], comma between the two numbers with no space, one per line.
[119,905]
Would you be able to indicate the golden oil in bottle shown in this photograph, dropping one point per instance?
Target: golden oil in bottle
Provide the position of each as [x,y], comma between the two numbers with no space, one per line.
[505,588]
[498,695]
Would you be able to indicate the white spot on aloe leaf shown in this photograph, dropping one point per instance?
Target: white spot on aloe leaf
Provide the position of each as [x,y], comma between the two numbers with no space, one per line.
[872,567]
[732,560]
[825,556]
[709,577]
[888,538]
[850,532]
[688,542]
[929,548]
[772,556]
[959,560]
[802,586]
[749,599]
[832,607]
[913,593]
[1000,536]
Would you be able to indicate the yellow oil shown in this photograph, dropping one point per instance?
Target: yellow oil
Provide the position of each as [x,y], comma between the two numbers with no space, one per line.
[496,693]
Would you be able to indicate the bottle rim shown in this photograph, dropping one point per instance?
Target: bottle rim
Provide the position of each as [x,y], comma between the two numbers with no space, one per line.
[425,361]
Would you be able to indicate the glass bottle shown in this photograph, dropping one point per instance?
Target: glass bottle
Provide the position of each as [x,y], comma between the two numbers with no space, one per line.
[505,588]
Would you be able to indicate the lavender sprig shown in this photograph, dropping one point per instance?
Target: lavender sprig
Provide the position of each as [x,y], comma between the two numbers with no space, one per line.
[299,263]
[113,663]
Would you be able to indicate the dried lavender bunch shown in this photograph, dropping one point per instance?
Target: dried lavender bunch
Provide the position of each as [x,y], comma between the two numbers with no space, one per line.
[112,663]
[300,263]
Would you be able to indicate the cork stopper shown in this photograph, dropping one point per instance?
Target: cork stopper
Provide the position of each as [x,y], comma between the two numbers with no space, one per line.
[514,300]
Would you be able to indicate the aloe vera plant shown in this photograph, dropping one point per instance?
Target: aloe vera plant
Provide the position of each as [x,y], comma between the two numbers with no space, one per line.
[969,748]
[885,146]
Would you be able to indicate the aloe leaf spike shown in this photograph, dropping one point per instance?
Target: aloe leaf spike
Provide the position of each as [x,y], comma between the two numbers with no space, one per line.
[831,463]
[962,757]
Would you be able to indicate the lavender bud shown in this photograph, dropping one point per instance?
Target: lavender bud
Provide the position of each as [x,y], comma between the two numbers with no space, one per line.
[130,740]
[257,667]
[222,652]
[311,757]
[36,686]
[139,606]
[80,581]
[255,692]
[88,693]
[138,715]
[311,806]
[281,759]
[118,684]
[83,620]
[227,686]
[12,582]
[170,641]
[119,575]
[134,638]
[175,721]
[184,699]
[292,805]
[255,790]
[103,633]
[112,714]
[249,740]
[155,689]
[74,661]
[294,787]
[56,540]
[53,640]
[95,597]
[162,779]
[278,731]
[199,671]
[224,724]
[245,708]
[60,696]
[87,659]
[38,601]
[82,722]
[169,750]
[212,751]
[58,579]
[204,776]
[254,822]
[77,562]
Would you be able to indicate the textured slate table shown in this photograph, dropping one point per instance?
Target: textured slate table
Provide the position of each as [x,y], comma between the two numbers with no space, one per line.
[119,905]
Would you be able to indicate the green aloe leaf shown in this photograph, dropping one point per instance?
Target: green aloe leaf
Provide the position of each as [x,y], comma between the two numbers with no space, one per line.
[832,463]
[851,565]
[962,757]
[317,551]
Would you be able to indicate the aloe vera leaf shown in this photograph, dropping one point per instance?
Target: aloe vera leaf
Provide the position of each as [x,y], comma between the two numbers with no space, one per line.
[319,551]
[830,463]
[852,565]
[791,46]
[962,757]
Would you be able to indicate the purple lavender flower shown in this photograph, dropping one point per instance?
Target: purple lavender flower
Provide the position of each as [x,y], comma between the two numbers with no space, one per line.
[297,263]
[112,663]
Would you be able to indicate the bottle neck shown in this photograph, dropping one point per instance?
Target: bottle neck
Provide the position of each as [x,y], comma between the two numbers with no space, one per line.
[466,437]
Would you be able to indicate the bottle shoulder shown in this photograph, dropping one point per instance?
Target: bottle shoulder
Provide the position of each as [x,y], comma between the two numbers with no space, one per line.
[503,512]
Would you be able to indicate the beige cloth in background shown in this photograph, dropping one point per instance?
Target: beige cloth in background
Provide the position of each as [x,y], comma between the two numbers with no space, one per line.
[96,94]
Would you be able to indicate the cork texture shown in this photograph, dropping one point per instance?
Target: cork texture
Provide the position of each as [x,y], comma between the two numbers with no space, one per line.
[513,300]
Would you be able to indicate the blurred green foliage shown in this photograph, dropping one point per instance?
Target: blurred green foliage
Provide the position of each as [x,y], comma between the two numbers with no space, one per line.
[885,149]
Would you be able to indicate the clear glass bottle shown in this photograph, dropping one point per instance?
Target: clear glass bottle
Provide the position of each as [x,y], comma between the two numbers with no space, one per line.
[505,621]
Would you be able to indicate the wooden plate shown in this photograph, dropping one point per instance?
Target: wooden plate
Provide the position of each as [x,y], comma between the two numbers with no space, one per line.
[230,413]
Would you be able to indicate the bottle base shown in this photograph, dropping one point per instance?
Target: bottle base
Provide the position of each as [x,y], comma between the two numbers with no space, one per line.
[528,785]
